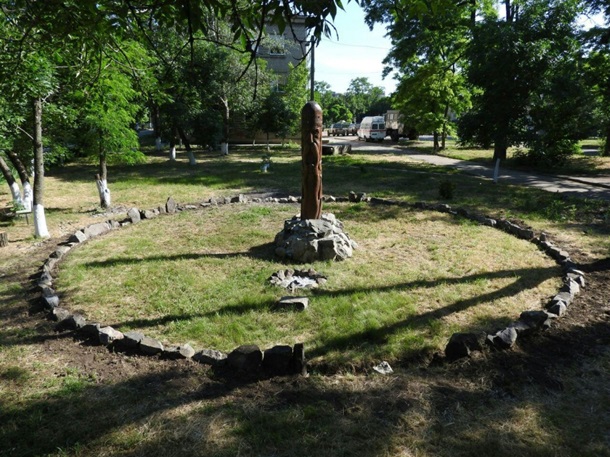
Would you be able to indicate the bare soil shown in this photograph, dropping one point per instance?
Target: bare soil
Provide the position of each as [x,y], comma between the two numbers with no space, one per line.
[438,408]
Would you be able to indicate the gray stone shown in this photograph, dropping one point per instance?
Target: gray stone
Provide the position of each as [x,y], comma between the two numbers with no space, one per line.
[114,224]
[523,328]
[442,208]
[246,358]
[535,319]
[210,357]
[49,264]
[59,314]
[306,241]
[383,368]
[51,302]
[570,287]
[45,279]
[503,339]
[134,215]
[577,278]
[78,237]
[108,335]
[73,322]
[299,363]
[149,214]
[170,205]
[98,229]
[293,303]
[558,308]
[60,252]
[357,197]
[150,346]
[91,330]
[131,339]
[564,297]
[277,360]
[462,344]
[179,352]
[47,291]
[162,210]
[239,199]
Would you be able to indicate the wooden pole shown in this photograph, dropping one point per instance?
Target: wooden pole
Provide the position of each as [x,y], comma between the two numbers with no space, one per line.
[311,165]
[3,239]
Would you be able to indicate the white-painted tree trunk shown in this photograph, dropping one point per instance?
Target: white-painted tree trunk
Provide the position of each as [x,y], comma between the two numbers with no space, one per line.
[104,193]
[158,144]
[224,149]
[496,171]
[16,193]
[191,156]
[172,153]
[40,223]
[28,196]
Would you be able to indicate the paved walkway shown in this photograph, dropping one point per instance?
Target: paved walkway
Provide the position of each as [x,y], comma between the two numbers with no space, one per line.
[584,187]
[587,187]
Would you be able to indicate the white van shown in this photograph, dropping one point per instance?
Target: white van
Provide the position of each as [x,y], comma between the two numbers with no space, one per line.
[372,128]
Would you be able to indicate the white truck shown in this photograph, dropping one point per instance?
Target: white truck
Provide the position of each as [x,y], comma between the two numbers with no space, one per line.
[372,128]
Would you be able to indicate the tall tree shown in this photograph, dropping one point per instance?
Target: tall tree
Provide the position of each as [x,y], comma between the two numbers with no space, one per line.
[360,96]
[511,62]
[428,53]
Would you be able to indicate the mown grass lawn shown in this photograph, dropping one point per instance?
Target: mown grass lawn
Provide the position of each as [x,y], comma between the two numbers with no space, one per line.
[202,278]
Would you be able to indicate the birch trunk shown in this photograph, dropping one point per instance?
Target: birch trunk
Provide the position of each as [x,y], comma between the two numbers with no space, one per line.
[12,184]
[40,221]
[172,145]
[101,180]
[187,145]
[28,195]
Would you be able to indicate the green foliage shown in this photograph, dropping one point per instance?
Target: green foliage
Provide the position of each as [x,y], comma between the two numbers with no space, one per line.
[428,44]
[361,96]
[446,189]
[108,116]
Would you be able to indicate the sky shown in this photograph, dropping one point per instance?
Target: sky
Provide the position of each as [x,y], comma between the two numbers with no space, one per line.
[356,52]
[359,52]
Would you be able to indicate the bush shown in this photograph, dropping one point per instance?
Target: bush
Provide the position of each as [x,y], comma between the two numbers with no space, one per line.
[543,155]
[445,190]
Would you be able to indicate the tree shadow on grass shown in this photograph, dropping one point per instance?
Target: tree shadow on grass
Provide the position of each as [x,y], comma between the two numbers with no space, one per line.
[525,278]
[505,405]
[265,252]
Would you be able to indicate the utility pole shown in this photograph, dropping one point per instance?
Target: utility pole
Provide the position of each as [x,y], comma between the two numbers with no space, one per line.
[313,68]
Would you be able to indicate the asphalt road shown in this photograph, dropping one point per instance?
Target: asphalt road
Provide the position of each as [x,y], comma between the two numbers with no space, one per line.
[584,187]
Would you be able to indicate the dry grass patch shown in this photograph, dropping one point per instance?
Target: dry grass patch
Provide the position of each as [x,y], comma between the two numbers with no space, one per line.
[201,277]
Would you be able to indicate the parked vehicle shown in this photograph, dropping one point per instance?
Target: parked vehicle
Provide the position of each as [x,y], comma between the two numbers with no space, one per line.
[338,129]
[372,128]
[395,127]
[352,129]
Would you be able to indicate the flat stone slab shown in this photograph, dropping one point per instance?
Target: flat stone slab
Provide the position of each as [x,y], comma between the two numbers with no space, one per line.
[293,303]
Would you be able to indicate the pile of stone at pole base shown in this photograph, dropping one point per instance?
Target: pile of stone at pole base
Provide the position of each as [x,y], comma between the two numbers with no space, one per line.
[308,240]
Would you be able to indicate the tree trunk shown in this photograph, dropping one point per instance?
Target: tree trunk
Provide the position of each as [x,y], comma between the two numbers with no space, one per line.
[444,132]
[224,144]
[500,149]
[156,119]
[606,150]
[436,141]
[3,239]
[12,184]
[40,221]
[101,181]
[172,145]
[28,195]
[187,145]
